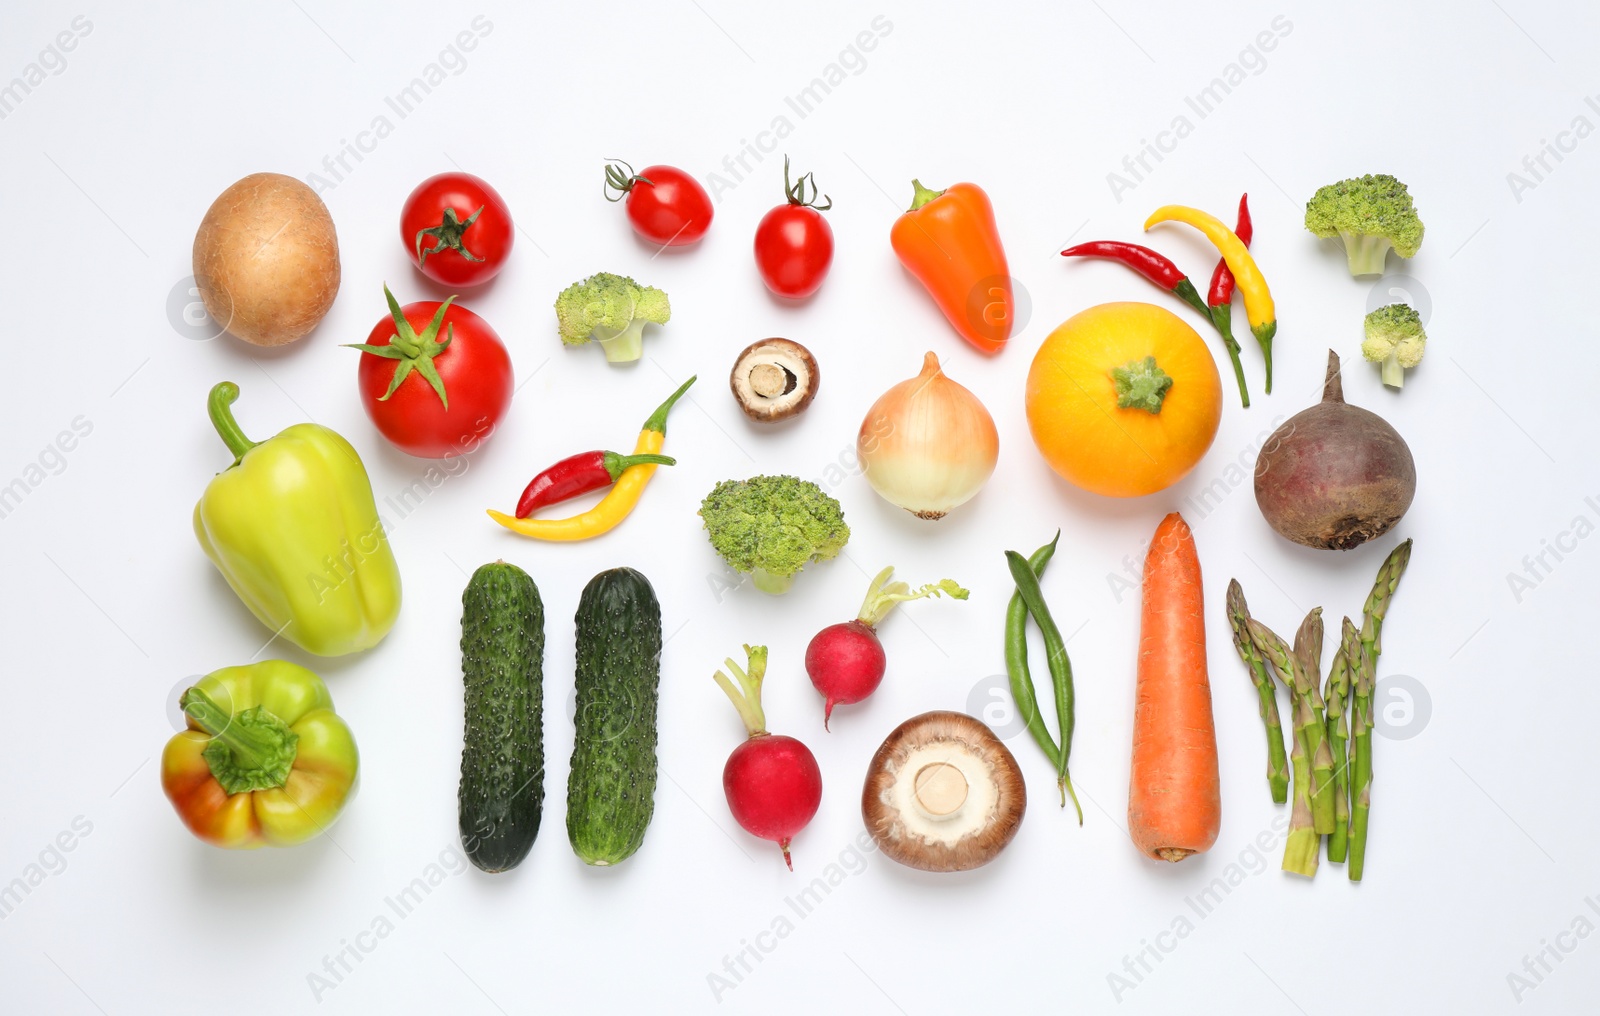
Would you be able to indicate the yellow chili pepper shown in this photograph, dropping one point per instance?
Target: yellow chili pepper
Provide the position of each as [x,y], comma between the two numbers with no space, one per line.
[1258,306]
[617,504]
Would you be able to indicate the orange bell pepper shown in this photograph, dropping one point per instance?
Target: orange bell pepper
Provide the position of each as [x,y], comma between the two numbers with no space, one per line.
[949,241]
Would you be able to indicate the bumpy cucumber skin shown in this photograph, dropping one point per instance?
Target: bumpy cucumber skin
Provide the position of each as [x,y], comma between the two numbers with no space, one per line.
[502,755]
[611,790]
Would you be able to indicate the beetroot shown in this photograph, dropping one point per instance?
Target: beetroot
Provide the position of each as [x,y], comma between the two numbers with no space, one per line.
[845,661]
[771,781]
[1334,476]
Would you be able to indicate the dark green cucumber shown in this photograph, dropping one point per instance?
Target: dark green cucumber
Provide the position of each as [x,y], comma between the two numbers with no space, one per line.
[502,755]
[611,791]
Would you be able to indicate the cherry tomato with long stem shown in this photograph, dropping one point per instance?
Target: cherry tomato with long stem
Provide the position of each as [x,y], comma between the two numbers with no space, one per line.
[457,229]
[434,377]
[794,243]
[665,204]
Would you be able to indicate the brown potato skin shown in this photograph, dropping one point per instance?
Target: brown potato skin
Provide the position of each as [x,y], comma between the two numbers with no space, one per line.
[266,259]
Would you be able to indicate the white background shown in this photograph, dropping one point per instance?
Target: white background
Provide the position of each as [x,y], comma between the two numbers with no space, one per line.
[1483,829]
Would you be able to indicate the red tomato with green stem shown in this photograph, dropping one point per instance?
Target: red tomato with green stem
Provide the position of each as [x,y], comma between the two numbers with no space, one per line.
[434,377]
[664,204]
[794,243]
[457,229]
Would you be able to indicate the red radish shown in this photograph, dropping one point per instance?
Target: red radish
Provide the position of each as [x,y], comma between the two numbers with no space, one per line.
[845,661]
[771,781]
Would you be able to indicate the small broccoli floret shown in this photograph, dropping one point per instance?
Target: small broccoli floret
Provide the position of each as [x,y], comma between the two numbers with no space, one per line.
[1395,339]
[772,526]
[612,309]
[1371,214]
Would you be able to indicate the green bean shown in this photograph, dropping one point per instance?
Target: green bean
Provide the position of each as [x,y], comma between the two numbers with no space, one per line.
[1022,690]
[1060,666]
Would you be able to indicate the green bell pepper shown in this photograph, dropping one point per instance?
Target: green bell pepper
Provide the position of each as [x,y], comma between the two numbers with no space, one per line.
[293,527]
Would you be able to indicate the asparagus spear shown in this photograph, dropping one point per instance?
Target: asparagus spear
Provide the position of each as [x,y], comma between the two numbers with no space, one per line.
[1277,763]
[1361,760]
[1307,663]
[1338,702]
[1377,606]
[1303,847]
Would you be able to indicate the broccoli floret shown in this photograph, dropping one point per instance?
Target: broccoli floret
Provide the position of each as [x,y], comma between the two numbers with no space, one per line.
[612,309]
[1370,214]
[1395,339]
[772,526]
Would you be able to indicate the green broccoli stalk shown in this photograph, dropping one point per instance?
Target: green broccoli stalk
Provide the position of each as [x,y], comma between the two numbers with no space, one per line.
[772,526]
[1395,339]
[1371,214]
[613,310]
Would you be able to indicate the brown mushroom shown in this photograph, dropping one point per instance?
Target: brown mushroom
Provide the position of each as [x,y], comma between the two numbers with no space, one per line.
[943,794]
[774,379]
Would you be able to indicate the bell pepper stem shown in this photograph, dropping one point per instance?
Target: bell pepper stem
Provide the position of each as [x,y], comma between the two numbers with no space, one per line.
[251,750]
[921,195]
[658,419]
[219,406]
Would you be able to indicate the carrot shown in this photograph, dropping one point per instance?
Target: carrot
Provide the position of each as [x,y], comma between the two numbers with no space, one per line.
[1174,796]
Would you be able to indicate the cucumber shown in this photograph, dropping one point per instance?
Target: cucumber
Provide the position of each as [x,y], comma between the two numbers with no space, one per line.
[502,754]
[611,790]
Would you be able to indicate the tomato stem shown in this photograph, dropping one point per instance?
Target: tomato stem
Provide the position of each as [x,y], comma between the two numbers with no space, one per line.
[448,233]
[621,182]
[796,192]
[412,350]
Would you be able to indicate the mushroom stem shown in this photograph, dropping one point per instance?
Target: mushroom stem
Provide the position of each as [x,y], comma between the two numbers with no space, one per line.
[941,789]
[770,380]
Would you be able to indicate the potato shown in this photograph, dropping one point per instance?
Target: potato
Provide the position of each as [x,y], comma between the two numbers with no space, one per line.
[266,259]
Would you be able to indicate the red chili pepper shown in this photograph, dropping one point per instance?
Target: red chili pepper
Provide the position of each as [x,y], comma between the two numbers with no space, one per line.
[1221,293]
[1158,268]
[580,474]
[1153,265]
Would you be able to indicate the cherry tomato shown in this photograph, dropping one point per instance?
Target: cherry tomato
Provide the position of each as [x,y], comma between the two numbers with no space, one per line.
[457,229]
[665,205]
[443,342]
[794,243]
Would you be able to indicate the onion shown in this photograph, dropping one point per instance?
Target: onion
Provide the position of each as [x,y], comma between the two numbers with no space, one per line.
[928,444]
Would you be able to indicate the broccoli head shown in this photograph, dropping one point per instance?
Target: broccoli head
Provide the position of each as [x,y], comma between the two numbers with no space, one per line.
[1371,214]
[1395,339]
[772,526]
[612,309]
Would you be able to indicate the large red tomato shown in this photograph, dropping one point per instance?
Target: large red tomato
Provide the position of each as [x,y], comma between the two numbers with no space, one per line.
[665,204]
[457,229]
[434,377]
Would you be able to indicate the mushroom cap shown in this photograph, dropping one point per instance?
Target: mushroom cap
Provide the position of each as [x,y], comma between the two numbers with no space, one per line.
[774,379]
[943,793]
